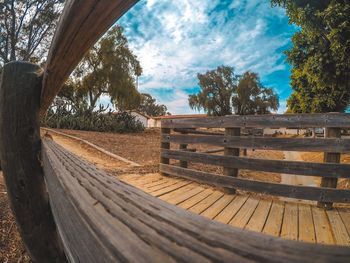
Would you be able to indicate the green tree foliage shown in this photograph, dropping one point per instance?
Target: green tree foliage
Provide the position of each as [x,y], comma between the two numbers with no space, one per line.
[26,28]
[251,97]
[149,106]
[217,87]
[223,91]
[109,68]
[320,55]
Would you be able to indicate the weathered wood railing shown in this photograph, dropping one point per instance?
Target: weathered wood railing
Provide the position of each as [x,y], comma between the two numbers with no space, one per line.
[329,171]
[67,210]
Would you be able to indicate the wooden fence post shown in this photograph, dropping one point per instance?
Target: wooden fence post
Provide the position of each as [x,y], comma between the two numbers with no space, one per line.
[20,147]
[330,158]
[164,145]
[231,151]
[183,164]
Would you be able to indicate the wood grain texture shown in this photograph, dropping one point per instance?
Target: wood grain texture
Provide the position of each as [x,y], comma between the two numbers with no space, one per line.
[298,121]
[196,199]
[265,143]
[232,209]
[322,228]
[164,145]
[258,219]
[20,161]
[115,217]
[297,192]
[274,220]
[334,170]
[306,224]
[340,233]
[330,157]
[218,206]
[81,24]
[245,213]
[228,151]
[290,222]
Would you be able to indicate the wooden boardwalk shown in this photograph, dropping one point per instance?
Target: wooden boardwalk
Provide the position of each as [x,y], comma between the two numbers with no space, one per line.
[289,220]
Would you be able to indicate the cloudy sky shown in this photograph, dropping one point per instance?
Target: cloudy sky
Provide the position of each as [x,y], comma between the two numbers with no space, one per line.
[175,40]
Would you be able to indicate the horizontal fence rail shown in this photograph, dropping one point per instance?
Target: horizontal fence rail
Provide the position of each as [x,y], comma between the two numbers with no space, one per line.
[300,121]
[102,218]
[298,192]
[184,132]
[266,143]
[275,166]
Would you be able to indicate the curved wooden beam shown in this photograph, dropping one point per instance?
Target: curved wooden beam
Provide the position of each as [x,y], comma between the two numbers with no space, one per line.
[81,25]
[20,160]
[116,222]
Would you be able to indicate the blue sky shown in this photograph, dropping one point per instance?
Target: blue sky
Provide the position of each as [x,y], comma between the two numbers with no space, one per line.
[175,40]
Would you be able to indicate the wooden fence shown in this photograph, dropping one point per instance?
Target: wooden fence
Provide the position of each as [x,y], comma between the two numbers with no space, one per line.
[184,133]
[69,211]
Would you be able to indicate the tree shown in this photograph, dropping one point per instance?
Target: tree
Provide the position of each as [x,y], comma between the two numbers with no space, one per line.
[251,97]
[26,28]
[217,87]
[109,68]
[149,106]
[222,91]
[320,56]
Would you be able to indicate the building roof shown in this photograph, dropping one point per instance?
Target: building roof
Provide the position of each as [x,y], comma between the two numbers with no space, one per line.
[183,116]
[140,113]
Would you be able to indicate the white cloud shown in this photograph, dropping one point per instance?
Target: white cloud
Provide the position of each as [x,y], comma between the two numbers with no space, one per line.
[174,40]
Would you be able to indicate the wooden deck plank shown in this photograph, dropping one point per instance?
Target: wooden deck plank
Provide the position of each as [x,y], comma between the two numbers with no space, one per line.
[158,183]
[258,219]
[207,202]
[178,192]
[185,196]
[129,177]
[135,177]
[290,222]
[306,224]
[143,180]
[273,223]
[245,213]
[231,210]
[159,187]
[322,229]
[170,188]
[218,206]
[345,215]
[196,199]
[340,233]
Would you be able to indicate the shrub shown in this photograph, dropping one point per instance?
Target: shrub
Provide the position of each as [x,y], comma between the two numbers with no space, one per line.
[85,120]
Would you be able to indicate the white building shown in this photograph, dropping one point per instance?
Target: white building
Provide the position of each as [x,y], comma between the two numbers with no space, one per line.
[146,120]
[155,122]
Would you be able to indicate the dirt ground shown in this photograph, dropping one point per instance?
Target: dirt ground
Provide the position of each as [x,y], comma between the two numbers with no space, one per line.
[144,149]
[11,246]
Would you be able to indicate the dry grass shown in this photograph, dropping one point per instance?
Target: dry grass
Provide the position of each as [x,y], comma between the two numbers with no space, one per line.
[11,246]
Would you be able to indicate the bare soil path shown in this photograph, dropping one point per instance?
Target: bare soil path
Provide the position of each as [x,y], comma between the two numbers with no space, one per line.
[85,152]
[297,179]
